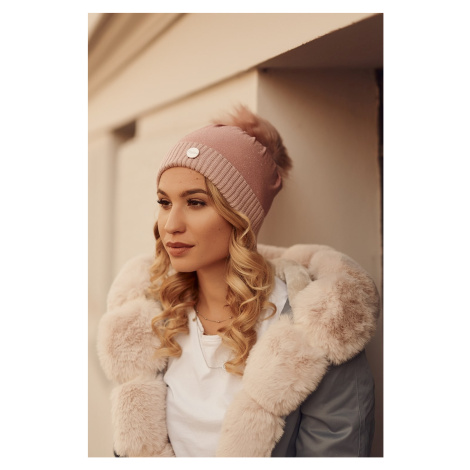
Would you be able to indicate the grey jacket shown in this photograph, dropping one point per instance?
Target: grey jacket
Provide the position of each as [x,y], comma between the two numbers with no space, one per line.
[306,389]
[337,419]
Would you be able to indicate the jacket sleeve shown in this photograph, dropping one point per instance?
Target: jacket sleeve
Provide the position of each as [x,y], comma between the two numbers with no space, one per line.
[337,420]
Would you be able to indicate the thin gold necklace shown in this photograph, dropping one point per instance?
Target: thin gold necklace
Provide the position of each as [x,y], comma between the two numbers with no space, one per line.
[200,332]
[208,319]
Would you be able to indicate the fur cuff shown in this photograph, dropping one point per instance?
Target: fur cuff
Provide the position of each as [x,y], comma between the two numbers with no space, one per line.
[139,419]
[248,429]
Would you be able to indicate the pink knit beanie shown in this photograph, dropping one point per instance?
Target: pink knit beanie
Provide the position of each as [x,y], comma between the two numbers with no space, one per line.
[233,158]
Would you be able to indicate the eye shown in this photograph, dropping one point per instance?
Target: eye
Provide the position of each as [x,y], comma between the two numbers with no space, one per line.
[196,203]
[164,203]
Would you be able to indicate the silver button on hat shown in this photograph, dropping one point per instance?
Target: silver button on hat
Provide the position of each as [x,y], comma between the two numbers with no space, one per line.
[193,152]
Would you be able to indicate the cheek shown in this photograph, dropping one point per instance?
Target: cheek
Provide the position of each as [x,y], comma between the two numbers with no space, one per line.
[214,230]
[225,232]
[222,236]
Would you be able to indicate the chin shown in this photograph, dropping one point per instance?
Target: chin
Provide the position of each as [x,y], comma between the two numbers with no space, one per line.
[182,270]
[182,267]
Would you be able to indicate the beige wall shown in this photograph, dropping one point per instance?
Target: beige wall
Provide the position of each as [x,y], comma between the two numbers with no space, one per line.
[178,82]
[329,124]
[198,51]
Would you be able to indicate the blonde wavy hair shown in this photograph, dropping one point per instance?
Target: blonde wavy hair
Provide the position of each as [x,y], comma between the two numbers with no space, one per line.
[250,280]
[249,277]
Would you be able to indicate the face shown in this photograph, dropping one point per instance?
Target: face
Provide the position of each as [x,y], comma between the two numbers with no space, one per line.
[194,234]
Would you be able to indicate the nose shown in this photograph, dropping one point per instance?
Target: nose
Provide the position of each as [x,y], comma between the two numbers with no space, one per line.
[174,220]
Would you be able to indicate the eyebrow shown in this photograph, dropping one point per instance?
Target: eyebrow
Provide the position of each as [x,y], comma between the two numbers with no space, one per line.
[185,193]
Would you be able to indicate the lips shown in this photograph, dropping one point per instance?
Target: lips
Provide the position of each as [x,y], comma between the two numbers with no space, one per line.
[177,248]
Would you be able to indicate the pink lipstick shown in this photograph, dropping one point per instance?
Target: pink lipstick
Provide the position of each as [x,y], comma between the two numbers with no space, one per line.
[177,248]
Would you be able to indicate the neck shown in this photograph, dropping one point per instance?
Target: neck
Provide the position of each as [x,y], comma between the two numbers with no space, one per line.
[212,288]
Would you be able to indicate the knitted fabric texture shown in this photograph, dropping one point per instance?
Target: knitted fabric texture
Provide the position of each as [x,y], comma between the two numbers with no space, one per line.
[236,163]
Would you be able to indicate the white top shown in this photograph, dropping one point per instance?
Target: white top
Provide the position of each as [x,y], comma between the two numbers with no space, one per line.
[199,389]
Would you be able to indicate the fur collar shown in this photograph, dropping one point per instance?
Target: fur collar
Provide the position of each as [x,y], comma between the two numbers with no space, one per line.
[335,306]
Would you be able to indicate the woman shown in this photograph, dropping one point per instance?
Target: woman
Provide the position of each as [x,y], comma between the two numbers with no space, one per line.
[221,347]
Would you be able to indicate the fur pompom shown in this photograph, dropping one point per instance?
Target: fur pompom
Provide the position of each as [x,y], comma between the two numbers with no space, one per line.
[263,131]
